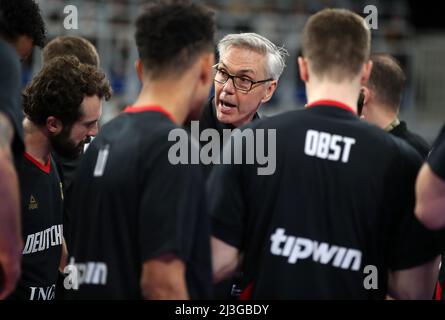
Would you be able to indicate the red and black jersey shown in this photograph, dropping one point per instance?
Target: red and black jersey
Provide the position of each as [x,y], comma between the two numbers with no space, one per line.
[129,204]
[341,199]
[42,209]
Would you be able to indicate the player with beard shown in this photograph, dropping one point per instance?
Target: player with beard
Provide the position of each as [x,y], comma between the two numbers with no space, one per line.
[62,107]
[85,51]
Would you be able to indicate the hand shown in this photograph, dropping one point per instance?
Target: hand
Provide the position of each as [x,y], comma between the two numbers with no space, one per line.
[9,272]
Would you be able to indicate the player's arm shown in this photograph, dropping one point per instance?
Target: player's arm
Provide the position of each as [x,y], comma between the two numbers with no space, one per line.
[10,232]
[430,198]
[224,259]
[414,283]
[64,256]
[163,278]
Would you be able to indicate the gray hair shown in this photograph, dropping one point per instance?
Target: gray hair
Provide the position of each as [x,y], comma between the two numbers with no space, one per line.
[257,43]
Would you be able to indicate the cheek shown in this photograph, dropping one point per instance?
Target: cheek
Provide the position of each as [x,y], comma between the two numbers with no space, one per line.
[248,104]
[217,91]
[78,134]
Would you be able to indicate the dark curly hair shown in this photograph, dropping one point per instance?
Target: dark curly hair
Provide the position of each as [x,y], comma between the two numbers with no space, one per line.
[21,17]
[59,89]
[171,34]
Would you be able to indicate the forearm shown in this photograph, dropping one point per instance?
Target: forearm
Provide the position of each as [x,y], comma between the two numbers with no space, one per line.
[430,198]
[225,259]
[10,230]
[163,278]
[415,283]
[165,291]
[432,213]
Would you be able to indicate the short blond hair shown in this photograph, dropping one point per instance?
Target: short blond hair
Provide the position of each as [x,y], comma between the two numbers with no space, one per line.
[79,47]
[337,43]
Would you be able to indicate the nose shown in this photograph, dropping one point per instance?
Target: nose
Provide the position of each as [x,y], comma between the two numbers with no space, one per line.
[94,130]
[229,86]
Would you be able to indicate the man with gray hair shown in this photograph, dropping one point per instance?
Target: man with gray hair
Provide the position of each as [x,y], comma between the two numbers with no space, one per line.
[253,64]
[245,77]
[332,210]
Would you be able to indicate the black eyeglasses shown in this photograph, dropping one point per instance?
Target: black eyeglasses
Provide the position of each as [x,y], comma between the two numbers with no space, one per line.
[241,83]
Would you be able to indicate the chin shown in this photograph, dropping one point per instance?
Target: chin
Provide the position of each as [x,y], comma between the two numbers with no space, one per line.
[224,118]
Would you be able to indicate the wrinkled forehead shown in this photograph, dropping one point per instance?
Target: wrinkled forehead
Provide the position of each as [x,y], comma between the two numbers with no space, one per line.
[237,59]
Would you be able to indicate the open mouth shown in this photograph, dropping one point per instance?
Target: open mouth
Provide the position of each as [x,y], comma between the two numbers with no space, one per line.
[226,107]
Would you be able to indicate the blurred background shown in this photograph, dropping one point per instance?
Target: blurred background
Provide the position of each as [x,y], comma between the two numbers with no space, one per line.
[413,31]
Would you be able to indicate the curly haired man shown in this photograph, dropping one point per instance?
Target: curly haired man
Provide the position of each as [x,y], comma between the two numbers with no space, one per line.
[62,106]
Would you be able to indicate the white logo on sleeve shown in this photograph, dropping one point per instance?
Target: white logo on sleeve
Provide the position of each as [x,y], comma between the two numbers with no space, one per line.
[328,146]
[101,161]
[296,248]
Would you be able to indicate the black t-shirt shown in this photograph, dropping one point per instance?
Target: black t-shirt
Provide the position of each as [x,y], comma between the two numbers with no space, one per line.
[42,206]
[129,205]
[10,102]
[413,139]
[209,120]
[341,198]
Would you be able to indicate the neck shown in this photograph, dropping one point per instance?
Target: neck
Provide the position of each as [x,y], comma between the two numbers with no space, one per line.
[380,115]
[37,143]
[174,95]
[243,121]
[344,92]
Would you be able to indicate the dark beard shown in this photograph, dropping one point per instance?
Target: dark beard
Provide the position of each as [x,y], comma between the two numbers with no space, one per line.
[64,147]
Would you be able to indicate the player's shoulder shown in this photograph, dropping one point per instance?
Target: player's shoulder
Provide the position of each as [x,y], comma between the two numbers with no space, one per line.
[8,57]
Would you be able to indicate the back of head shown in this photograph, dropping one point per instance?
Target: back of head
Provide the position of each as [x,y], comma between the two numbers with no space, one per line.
[171,35]
[59,89]
[79,47]
[255,42]
[337,43]
[21,17]
[386,81]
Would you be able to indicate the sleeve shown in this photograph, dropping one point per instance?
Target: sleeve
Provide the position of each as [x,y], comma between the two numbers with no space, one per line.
[226,205]
[412,244]
[172,201]
[436,159]
[10,84]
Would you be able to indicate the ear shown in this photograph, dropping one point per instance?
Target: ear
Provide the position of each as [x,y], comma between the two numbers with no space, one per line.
[303,69]
[269,91]
[366,72]
[54,125]
[367,94]
[207,61]
[138,67]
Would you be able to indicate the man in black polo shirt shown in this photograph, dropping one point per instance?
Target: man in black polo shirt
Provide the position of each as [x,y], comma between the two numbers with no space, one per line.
[383,94]
[62,107]
[21,28]
[246,76]
[140,222]
[340,202]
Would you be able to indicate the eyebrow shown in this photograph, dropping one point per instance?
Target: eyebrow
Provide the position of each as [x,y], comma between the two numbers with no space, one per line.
[88,123]
[242,71]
